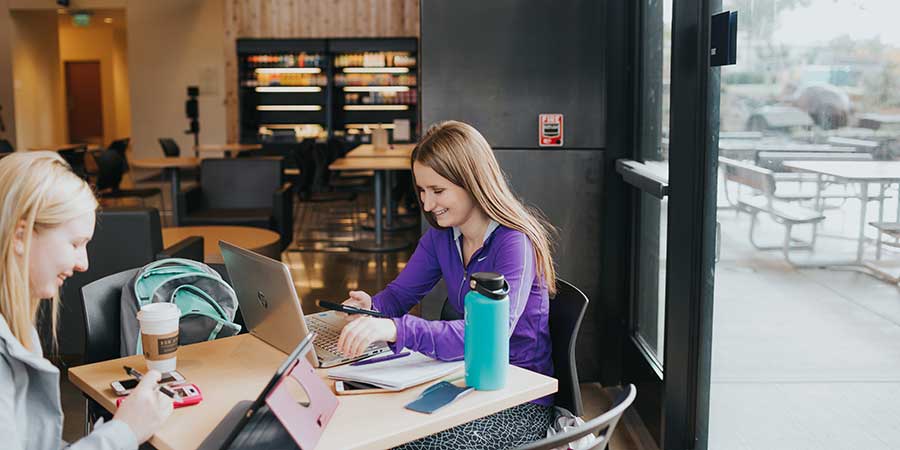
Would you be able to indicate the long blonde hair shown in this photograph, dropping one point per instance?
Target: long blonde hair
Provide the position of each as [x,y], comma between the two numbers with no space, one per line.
[459,153]
[39,190]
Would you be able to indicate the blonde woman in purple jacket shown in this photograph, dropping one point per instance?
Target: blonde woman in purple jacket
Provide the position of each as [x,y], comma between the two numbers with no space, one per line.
[477,225]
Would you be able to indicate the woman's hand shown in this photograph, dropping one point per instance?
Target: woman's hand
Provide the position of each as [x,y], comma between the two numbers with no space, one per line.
[358,334]
[146,409]
[358,299]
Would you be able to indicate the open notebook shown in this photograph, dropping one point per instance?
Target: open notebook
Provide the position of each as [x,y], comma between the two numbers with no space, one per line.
[397,374]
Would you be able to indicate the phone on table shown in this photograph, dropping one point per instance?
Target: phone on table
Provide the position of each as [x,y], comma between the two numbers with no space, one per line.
[123,387]
[356,387]
[186,394]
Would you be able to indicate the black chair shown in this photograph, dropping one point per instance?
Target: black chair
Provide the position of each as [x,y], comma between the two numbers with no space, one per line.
[241,191]
[111,167]
[170,147]
[566,311]
[6,147]
[124,238]
[603,426]
[76,159]
[101,309]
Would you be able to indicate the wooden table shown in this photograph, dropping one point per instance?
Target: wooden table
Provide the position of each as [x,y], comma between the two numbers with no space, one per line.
[369,151]
[381,165]
[260,240]
[862,172]
[64,147]
[172,167]
[237,368]
[228,149]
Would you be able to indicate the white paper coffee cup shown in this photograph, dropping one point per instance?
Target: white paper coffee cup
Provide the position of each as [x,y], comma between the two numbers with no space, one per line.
[159,335]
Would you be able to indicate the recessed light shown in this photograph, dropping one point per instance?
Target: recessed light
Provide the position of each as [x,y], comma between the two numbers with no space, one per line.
[107,20]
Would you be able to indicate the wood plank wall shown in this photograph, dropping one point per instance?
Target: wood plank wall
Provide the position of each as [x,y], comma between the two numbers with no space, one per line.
[299,19]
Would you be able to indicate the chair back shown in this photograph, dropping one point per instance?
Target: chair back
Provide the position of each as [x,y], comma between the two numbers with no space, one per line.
[124,238]
[566,311]
[6,147]
[101,310]
[170,147]
[231,183]
[110,169]
[120,146]
[76,159]
[603,426]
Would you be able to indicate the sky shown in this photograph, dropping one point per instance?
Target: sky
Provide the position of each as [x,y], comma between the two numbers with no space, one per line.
[823,20]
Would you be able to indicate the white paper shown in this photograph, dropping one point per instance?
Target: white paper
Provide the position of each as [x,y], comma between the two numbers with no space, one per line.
[397,374]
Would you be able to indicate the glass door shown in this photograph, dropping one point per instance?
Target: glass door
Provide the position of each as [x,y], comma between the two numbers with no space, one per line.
[673,220]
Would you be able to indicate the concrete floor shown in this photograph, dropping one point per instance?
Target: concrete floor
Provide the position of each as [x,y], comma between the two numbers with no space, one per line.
[803,359]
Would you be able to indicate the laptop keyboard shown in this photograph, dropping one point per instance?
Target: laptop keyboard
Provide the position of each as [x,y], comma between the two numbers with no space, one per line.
[328,335]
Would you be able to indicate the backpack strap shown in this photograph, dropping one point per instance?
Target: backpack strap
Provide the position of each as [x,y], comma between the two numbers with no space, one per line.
[202,308]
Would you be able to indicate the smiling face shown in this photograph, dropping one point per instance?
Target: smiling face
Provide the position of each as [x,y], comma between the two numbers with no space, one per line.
[450,205]
[58,252]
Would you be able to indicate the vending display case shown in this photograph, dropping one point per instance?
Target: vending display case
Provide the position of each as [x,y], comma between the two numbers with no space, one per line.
[329,87]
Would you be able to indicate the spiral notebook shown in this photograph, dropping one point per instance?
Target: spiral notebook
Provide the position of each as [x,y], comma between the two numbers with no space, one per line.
[398,374]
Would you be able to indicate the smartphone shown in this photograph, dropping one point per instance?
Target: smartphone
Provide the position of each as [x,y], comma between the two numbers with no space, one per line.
[349,309]
[123,387]
[356,387]
[188,394]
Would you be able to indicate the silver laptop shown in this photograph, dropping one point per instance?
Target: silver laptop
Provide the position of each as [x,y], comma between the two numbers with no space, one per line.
[271,308]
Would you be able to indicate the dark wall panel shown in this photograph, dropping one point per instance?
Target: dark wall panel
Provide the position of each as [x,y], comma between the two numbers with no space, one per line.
[497,64]
[569,196]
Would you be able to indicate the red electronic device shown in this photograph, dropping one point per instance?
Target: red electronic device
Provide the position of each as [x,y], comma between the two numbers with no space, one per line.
[188,392]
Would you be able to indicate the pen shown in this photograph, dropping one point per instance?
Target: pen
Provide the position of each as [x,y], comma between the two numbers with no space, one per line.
[137,376]
[380,359]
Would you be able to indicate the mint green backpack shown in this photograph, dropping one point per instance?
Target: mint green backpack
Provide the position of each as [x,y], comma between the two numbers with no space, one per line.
[207,303]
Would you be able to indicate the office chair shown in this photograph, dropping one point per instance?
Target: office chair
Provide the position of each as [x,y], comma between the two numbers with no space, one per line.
[604,425]
[566,311]
[243,192]
[170,147]
[111,167]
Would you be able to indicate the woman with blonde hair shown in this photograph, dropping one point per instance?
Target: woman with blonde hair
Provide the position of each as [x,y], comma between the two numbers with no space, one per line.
[477,225]
[47,216]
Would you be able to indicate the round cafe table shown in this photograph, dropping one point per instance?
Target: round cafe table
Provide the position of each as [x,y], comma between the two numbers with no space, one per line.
[172,168]
[260,240]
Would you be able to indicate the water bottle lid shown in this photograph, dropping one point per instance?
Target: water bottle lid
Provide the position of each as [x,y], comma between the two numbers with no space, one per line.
[489,284]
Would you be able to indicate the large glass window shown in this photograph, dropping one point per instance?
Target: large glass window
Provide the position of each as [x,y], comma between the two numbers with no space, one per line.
[806,330]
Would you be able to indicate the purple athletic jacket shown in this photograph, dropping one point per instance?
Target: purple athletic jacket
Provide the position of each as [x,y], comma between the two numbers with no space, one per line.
[439,254]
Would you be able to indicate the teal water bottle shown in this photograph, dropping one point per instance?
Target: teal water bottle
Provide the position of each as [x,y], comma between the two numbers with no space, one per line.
[487,331]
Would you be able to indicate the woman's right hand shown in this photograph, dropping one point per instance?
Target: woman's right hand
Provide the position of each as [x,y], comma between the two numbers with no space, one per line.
[146,409]
[358,299]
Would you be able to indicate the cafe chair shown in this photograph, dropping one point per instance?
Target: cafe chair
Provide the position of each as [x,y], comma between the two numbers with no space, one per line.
[243,192]
[101,308]
[111,167]
[566,311]
[124,238]
[169,147]
[601,426]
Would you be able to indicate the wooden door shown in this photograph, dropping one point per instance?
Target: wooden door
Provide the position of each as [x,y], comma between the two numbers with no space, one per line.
[84,102]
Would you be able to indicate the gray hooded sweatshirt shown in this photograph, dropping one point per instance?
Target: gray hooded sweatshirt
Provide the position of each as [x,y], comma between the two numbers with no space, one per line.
[31,417]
